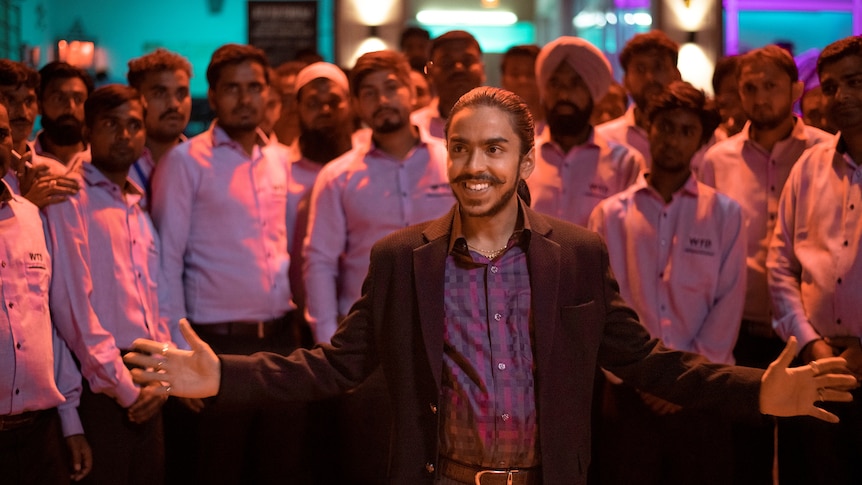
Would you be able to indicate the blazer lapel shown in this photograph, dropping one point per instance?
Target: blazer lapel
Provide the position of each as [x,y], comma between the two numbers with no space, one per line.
[544,262]
[429,270]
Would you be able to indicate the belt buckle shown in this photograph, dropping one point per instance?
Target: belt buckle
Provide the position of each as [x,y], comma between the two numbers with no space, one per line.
[509,475]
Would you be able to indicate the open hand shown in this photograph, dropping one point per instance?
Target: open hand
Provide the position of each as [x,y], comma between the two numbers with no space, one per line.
[184,373]
[793,391]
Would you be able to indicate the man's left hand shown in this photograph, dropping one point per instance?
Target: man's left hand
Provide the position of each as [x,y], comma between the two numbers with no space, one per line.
[850,349]
[793,391]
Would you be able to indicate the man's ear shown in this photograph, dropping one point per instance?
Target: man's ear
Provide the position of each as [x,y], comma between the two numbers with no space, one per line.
[211,98]
[528,163]
[797,89]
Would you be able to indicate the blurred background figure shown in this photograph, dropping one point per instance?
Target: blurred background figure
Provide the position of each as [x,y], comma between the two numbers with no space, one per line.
[612,105]
[416,44]
[518,70]
[286,129]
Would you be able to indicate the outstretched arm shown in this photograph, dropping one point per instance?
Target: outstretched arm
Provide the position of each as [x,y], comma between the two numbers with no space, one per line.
[793,391]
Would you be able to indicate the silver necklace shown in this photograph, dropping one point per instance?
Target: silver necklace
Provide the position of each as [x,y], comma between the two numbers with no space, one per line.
[489,254]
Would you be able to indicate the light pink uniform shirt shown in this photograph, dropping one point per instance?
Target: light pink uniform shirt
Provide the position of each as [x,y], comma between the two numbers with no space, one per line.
[357,199]
[221,217]
[814,263]
[681,265]
[569,185]
[750,175]
[38,370]
[106,272]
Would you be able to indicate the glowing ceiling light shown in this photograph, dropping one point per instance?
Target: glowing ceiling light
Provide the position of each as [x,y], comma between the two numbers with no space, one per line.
[466,17]
[643,19]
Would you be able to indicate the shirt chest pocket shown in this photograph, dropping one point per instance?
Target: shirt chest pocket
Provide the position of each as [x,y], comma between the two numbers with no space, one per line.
[38,278]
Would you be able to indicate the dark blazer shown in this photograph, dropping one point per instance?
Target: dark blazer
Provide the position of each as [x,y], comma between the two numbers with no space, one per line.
[580,323]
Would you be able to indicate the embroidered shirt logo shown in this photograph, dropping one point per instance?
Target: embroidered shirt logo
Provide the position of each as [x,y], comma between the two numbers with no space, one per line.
[700,245]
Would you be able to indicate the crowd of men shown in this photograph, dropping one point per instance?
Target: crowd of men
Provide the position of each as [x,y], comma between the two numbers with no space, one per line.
[729,224]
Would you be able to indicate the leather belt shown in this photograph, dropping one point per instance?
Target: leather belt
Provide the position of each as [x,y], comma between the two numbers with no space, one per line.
[9,422]
[490,476]
[248,328]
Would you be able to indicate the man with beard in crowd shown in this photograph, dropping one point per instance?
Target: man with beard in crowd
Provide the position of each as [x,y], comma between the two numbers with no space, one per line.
[326,132]
[575,166]
[60,145]
[752,168]
[162,77]
[396,180]
[18,86]
[649,61]
[454,68]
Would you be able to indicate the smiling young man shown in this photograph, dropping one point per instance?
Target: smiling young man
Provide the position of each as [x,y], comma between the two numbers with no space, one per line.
[490,324]
[104,291]
[677,249]
[162,77]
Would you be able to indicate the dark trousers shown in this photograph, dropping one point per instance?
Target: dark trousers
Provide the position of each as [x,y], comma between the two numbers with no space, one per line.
[754,444]
[640,447]
[252,446]
[35,454]
[123,452]
[814,452]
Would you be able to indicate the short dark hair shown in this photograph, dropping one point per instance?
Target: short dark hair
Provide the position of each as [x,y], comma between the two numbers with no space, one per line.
[724,67]
[289,67]
[233,54]
[17,74]
[453,36]
[159,60]
[654,40]
[527,50]
[834,52]
[772,54]
[106,98]
[682,95]
[61,70]
[511,103]
[413,31]
[372,62]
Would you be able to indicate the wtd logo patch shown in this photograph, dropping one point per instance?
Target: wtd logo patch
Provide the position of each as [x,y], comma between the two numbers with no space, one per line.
[700,245]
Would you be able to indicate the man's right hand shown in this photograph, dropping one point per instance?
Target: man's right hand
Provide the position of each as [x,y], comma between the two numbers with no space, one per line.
[49,189]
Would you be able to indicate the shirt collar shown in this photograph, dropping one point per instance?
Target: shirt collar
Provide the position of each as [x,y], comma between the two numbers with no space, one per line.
[95,178]
[220,137]
[458,242]
[689,188]
[841,147]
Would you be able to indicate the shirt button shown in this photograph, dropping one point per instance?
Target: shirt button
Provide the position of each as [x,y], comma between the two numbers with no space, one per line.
[494,269]
[838,321]
[501,366]
[498,317]
[505,416]
[17,391]
[3,264]
[429,467]
[11,305]
[18,345]
[852,206]
[772,188]
[839,281]
[846,243]
[661,275]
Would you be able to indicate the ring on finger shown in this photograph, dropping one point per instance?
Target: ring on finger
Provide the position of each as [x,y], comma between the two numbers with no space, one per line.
[168,390]
[165,348]
[815,367]
[160,364]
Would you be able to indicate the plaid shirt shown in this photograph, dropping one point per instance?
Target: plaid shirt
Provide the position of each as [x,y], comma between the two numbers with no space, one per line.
[488,407]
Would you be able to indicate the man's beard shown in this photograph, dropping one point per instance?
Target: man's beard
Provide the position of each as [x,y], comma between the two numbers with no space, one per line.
[321,145]
[66,130]
[504,198]
[568,123]
[389,125]
[767,121]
